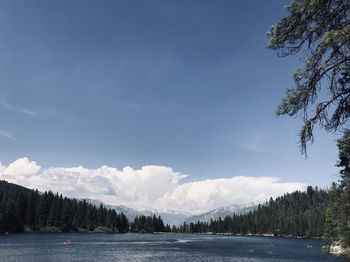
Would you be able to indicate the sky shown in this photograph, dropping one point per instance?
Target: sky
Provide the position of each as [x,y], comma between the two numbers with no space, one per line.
[178,95]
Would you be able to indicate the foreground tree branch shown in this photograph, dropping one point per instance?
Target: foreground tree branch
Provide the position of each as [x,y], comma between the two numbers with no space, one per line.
[320,29]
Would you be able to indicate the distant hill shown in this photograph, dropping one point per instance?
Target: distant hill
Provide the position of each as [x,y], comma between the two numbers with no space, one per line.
[222,212]
[172,217]
[128,212]
[169,217]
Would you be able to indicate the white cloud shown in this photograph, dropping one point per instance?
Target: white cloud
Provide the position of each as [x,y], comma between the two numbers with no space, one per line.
[7,106]
[150,187]
[29,112]
[213,193]
[6,134]
[22,166]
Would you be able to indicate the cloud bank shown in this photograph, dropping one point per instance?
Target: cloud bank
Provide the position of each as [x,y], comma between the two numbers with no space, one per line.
[150,187]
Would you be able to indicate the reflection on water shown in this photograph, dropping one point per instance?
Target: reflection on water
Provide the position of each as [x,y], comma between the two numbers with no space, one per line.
[158,247]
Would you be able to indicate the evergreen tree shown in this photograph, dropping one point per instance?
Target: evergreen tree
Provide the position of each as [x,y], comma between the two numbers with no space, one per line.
[320,31]
[31,211]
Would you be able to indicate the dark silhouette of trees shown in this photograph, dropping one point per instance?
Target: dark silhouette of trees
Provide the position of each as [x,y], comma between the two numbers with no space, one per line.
[22,210]
[149,224]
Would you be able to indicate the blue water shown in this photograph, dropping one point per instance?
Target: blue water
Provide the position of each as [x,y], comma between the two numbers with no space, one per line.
[158,247]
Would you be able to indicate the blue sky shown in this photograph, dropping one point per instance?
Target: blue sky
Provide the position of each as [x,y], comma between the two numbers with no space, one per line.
[185,84]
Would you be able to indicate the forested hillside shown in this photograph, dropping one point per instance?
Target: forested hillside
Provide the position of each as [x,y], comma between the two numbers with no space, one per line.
[296,214]
[22,209]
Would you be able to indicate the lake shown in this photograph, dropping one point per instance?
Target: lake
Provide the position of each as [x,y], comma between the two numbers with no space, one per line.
[158,247]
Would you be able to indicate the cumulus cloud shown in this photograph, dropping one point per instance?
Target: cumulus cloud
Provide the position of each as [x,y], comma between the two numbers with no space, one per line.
[150,187]
[213,193]
[22,166]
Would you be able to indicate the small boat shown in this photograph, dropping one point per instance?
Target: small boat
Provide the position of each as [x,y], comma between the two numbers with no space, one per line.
[308,246]
[68,242]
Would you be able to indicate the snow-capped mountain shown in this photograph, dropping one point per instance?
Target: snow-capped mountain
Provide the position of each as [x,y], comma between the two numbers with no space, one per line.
[128,212]
[172,217]
[221,212]
[169,217]
[175,217]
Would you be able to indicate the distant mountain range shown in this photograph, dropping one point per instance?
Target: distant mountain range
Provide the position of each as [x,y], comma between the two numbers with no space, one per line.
[175,217]
[221,212]
[169,217]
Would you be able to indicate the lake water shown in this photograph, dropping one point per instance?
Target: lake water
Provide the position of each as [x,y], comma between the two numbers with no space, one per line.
[158,247]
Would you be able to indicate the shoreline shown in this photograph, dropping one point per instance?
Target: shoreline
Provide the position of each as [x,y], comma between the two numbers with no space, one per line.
[257,235]
[130,232]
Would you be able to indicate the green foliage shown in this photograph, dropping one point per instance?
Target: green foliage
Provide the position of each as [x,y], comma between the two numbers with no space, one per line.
[320,30]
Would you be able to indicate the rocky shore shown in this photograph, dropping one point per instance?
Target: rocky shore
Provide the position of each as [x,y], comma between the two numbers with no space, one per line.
[338,250]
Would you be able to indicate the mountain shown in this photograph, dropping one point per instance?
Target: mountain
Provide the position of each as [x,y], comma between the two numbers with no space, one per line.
[128,212]
[221,212]
[169,217]
[175,218]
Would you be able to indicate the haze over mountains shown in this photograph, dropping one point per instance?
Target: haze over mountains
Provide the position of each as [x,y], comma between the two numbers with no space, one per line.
[176,217]
[169,217]
[222,212]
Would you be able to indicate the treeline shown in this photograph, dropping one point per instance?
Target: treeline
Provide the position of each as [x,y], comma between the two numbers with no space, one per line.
[149,224]
[296,214]
[24,210]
